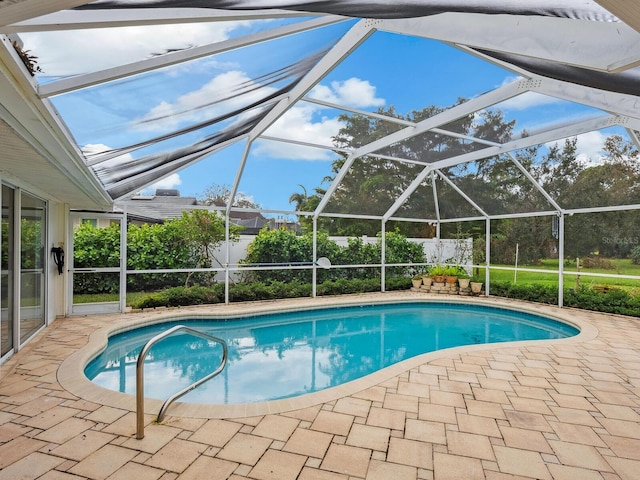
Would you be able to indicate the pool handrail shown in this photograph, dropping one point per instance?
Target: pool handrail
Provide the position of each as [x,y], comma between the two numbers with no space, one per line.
[167,403]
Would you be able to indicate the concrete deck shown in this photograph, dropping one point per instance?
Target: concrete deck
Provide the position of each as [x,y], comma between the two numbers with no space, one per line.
[567,409]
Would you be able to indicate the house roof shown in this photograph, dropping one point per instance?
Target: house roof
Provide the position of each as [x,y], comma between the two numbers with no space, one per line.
[171,206]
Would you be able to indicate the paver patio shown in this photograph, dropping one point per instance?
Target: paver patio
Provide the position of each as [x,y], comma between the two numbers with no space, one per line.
[559,410]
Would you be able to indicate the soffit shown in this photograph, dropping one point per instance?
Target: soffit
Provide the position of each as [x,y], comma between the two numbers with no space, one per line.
[20,160]
[35,147]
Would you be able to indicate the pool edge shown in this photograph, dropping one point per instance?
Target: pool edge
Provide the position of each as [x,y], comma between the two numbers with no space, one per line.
[71,371]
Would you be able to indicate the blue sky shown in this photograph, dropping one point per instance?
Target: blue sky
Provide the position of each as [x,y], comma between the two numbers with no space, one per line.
[387,70]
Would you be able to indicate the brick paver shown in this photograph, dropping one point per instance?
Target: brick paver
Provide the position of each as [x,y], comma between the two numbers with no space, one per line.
[549,410]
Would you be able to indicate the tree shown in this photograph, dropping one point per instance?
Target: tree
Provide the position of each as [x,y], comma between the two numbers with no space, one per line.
[299,199]
[615,181]
[305,203]
[219,195]
[374,184]
[205,231]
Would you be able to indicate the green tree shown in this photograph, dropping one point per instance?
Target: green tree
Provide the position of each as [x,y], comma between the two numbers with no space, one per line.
[373,184]
[616,181]
[157,246]
[204,231]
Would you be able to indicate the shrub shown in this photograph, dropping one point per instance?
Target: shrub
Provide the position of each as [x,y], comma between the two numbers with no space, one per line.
[180,296]
[635,255]
[531,292]
[286,247]
[244,292]
[182,243]
[597,262]
[614,300]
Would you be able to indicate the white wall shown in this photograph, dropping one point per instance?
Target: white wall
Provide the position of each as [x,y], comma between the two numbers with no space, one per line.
[56,291]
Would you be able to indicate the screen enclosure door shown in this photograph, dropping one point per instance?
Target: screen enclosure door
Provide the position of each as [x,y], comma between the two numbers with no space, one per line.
[96,263]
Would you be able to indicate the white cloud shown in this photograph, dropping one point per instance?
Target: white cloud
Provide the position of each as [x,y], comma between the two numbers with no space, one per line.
[92,149]
[95,148]
[588,148]
[188,107]
[63,53]
[353,92]
[298,124]
[301,123]
[526,101]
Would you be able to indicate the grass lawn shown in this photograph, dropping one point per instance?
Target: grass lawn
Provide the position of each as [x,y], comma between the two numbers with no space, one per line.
[620,267]
[107,297]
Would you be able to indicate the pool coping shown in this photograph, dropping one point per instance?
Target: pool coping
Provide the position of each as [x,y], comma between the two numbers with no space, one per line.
[71,372]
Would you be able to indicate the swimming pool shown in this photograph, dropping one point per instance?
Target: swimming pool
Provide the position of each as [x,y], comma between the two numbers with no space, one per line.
[282,355]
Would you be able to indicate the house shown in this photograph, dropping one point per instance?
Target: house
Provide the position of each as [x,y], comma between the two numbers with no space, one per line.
[167,204]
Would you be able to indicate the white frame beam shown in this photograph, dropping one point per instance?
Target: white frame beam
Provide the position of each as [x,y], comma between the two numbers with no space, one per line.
[107,75]
[341,50]
[488,99]
[21,10]
[583,43]
[89,19]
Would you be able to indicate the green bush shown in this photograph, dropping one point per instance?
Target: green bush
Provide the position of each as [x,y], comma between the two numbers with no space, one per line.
[185,242]
[635,255]
[151,247]
[285,247]
[96,247]
[530,292]
[181,296]
[244,292]
[615,300]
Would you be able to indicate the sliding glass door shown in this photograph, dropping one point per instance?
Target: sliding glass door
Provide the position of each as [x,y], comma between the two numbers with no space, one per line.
[7,254]
[33,215]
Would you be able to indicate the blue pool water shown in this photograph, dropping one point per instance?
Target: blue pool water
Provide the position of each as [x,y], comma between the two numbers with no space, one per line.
[287,354]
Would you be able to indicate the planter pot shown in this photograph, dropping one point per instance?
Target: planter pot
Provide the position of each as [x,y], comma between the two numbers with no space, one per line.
[476,287]
[426,280]
[416,282]
[438,279]
[464,282]
[451,279]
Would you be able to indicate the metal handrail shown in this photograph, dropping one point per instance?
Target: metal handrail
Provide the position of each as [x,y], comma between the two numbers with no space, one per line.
[175,396]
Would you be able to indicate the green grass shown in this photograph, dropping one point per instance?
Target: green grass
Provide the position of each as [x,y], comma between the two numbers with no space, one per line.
[107,297]
[620,267]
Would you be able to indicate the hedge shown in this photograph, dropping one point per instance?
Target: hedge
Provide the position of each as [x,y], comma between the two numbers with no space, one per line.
[614,300]
[243,292]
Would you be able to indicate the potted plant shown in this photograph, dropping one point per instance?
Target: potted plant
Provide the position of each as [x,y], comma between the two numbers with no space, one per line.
[416,281]
[463,278]
[451,274]
[438,273]
[476,284]
[427,279]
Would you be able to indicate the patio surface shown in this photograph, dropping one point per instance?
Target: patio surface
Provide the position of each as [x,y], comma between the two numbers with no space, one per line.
[567,409]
